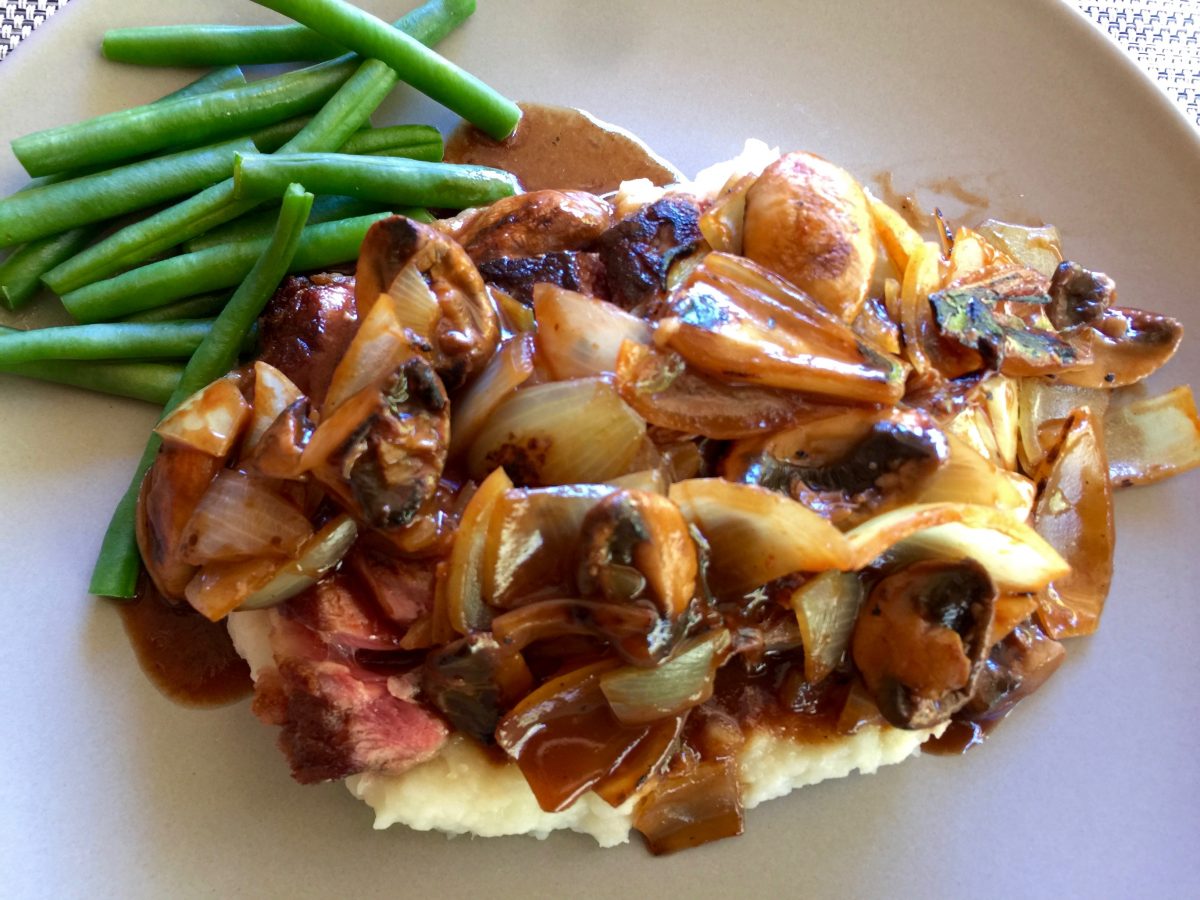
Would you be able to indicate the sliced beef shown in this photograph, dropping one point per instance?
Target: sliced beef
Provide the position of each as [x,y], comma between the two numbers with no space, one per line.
[516,276]
[345,618]
[535,223]
[338,717]
[403,588]
[338,726]
[307,327]
[638,251]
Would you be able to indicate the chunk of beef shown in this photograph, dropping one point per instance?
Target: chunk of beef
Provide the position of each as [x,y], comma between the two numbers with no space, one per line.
[307,327]
[516,276]
[337,726]
[535,223]
[403,588]
[638,251]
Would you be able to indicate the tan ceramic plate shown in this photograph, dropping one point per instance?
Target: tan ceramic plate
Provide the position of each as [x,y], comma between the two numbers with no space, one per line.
[106,789]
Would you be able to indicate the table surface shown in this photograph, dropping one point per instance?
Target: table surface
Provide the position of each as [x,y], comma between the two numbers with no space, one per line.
[1162,35]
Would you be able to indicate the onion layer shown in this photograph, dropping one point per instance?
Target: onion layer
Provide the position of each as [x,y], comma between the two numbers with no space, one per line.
[637,694]
[757,535]
[464,590]
[240,517]
[578,336]
[1074,514]
[564,432]
[826,609]
[505,372]
[1153,438]
[273,393]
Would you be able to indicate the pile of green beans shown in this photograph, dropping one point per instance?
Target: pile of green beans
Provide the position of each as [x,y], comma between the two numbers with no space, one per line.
[226,146]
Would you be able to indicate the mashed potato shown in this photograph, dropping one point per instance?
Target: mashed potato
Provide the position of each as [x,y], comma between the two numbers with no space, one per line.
[462,791]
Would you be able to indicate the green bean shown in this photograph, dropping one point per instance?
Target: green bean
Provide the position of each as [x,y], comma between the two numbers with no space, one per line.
[152,382]
[209,270]
[116,571]
[413,141]
[261,222]
[21,273]
[192,120]
[216,80]
[202,307]
[119,340]
[420,67]
[214,45]
[383,179]
[54,208]
[328,130]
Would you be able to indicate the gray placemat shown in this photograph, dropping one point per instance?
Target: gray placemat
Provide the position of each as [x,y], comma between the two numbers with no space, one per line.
[1162,35]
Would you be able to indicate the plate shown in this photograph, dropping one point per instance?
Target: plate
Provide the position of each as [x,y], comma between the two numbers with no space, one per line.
[1091,789]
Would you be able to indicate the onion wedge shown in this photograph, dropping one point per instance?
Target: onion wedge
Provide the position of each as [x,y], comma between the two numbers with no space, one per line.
[638,694]
[578,336]
[211,420]
[1153,438]
[757,535]
[1016,557]
[1075,515]
[562,432]
[464,591]
[826,609]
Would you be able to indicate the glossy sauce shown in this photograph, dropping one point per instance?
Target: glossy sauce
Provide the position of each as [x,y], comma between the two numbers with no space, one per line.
[563,148]
[189,658]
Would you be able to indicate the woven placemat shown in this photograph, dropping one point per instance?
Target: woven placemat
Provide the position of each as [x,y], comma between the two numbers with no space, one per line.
[1162,35]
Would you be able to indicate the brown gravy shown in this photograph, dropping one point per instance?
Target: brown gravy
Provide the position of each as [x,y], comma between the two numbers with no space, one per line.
[560,147]
[189,658]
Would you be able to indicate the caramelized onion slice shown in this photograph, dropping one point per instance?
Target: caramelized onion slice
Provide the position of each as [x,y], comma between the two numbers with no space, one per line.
[505,372]
[637,694]
[533,542]
[220,587]
[565,432]
[757,535]
[566,740]
[1042,402]
[969,478]
[735,320]
[899,239]
[1038,247]
[211,420]
[1152,438]
[826,609]
[1015,556]
[1075,515]
[378,347]
[318,557]
[665,392]
[579,336]
[274,392]
[464,589]
[242,516]
[170,492]
[690,808]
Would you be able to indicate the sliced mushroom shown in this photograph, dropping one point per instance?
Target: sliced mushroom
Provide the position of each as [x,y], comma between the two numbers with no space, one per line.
[922,638]
[535,223]
[383,450]
[847,464]
[1125,346]
[809,221]
[636,545]
[474,681]
[638,251]
[1078,296]
[462,335]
